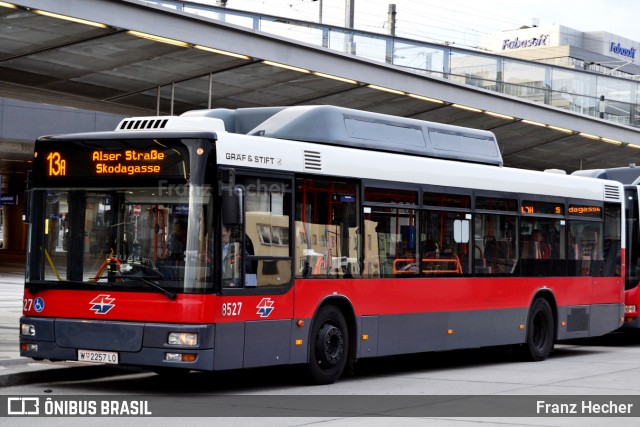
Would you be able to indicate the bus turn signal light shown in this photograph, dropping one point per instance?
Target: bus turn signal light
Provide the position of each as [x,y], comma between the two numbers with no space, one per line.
[189,357]
[28,347]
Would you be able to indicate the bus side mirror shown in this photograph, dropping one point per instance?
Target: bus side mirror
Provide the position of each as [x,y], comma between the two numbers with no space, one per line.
[26,207]
[232,200]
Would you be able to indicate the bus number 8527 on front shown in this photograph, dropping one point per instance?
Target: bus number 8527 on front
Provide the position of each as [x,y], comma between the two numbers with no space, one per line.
[231,308]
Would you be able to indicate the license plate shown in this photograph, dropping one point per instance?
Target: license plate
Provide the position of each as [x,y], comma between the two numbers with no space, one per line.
[98,356]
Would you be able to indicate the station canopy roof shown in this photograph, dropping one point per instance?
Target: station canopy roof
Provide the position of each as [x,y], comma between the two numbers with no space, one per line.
[114,62]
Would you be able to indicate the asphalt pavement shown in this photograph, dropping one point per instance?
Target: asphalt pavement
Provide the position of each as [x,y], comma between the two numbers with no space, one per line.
[16,370]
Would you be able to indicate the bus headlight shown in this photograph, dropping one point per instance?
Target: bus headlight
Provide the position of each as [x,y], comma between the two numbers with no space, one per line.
[183,338]
[630,309]
[27,330]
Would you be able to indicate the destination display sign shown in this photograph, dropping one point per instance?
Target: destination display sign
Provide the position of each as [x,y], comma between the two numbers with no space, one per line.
[546,208]
[61,161]
[585,210]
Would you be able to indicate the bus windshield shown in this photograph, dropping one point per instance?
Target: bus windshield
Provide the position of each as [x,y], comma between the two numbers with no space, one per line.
[130,236]
[146,228]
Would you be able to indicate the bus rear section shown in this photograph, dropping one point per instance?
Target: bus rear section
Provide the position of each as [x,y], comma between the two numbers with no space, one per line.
[258,237]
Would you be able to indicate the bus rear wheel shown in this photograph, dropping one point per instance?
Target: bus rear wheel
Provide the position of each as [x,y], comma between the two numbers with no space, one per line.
[329,346]
[540,331]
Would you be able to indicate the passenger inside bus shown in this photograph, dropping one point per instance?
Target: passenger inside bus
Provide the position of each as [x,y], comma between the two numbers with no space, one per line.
[536,247]
[543,249]
[429,248]
[176,243]
[173,262]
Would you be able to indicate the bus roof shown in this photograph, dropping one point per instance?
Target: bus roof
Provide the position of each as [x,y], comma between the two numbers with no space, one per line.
[346,127]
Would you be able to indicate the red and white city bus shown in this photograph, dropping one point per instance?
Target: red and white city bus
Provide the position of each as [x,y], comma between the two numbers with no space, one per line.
[630,177]
[225,239]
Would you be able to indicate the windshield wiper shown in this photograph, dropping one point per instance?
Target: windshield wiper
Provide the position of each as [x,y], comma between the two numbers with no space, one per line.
[163,291]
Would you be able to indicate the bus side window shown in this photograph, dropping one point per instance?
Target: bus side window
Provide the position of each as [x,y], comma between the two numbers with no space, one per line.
[585,248]
[263,243]
[327,237]
[448,253]
[392,247]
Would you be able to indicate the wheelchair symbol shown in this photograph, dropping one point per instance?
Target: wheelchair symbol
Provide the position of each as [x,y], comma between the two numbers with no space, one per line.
[38,304]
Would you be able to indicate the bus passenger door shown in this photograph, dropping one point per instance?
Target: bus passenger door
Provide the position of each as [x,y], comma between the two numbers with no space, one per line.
[256,270]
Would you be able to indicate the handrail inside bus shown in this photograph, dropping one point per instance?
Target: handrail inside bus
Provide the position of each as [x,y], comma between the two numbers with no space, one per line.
[53,267]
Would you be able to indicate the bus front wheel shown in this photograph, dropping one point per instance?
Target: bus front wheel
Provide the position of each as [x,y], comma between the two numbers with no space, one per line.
[329,346]
[540,331]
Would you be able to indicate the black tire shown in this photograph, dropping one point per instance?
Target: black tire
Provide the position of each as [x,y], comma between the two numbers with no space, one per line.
[540,331]
[328,346]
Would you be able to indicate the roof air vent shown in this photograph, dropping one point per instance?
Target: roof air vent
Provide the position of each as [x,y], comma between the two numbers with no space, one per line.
[169,123]
[142,123]
[312,160]
[611,192]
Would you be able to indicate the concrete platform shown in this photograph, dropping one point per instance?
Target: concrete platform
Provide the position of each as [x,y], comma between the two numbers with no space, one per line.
[16,370]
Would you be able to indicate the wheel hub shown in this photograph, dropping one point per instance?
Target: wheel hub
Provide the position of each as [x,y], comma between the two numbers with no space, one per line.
[331,345]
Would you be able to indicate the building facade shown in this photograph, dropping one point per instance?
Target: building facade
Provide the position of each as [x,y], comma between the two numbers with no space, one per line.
[598,51]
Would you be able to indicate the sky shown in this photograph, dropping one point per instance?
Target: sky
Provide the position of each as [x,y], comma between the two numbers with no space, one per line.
[460,22]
